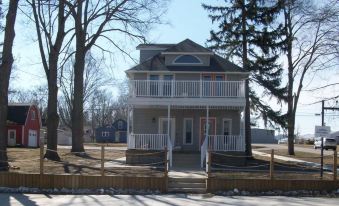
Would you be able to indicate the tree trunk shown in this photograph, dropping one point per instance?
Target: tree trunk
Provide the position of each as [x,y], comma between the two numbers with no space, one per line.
[248,142]
[79,67]
[52,110]
[5,73]
[290,109]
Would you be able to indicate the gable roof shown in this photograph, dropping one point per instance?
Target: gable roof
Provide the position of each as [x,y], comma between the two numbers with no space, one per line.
[157,62]
[17,113]
[188,46]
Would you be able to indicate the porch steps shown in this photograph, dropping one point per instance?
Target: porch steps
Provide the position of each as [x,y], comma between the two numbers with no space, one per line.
[187,185]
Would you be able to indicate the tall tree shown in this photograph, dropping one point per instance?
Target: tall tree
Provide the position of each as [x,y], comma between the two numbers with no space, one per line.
[247,32]
[5,73]
[311,32]
[100,19]
[50,20]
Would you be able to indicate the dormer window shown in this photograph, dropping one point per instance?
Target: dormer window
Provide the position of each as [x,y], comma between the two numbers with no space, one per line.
[33,115]
[187,59]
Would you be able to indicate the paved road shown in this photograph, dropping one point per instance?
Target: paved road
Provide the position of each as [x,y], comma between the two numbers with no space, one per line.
[158,200]
[296,147]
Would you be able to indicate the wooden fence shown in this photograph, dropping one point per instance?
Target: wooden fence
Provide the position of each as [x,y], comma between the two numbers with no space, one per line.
[220,184]
[82,181]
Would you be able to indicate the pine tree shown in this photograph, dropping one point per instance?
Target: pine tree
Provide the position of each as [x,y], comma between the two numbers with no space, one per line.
[247,30]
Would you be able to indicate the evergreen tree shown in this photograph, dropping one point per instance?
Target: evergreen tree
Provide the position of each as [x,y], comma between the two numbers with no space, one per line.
[247,31]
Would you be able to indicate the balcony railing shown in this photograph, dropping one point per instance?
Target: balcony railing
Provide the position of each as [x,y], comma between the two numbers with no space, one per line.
[148,141]
[186,89]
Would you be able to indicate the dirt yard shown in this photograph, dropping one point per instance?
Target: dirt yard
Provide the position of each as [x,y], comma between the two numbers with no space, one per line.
[309,157]
[26,160]
[259,168]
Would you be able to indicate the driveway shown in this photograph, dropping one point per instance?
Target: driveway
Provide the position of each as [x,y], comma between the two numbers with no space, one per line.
[296,148]
[159,200]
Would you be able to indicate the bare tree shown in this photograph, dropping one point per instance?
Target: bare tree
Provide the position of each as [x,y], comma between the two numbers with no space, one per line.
[50,20]
[311,30]
[100,19]
[5,73]
[94,78]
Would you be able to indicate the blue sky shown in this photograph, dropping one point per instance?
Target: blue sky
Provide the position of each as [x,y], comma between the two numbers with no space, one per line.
[186,19]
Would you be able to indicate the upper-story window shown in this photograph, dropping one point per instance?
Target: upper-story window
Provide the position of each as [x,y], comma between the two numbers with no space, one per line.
[120,125]
[187,59]
[33,115]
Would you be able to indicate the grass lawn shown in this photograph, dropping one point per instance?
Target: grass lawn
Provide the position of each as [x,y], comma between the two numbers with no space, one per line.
[26,160]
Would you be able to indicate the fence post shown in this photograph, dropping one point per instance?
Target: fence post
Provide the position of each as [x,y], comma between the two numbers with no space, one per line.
[272,165]
[166,168]
[209,163]
[166,161]
[335,157]
[102,160]
[41,156]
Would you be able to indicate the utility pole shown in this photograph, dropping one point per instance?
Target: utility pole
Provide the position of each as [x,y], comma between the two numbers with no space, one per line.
[322,140]
[323,108]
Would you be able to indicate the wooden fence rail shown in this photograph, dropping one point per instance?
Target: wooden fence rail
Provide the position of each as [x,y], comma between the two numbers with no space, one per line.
[81,181]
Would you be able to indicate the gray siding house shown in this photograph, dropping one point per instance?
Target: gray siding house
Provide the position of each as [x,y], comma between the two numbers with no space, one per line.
[185,97]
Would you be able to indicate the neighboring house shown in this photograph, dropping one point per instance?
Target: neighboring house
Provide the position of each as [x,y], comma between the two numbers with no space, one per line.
[263,136]
[117,132]
[335,135]
[175,90]
[23,125]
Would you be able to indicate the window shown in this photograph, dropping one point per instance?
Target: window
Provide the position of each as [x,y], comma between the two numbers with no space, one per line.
[33,115]
[120,125]
[105,134]
[167,88]
[227,127]
[154,84]
[187,59]
[188,131]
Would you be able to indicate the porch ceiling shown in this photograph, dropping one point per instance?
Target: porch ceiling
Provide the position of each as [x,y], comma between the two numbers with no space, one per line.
[185,103]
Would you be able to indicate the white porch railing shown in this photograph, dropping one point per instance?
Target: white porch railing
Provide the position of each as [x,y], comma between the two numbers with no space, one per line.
[147,141]
[152,142]
[226,142]
[188,89]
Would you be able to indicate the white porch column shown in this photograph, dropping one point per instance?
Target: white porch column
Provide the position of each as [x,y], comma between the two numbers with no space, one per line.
[207,124]
[169,120]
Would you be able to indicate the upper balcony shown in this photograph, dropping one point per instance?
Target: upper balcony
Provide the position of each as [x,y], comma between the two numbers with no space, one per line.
[184,91]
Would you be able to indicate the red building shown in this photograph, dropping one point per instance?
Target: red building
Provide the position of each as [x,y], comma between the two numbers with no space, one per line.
[23,125]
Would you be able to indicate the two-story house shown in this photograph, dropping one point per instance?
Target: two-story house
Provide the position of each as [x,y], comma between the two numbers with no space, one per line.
[178,89]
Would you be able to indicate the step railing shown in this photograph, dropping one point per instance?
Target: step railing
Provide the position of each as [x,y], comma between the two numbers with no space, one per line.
[186,89]
[203,150]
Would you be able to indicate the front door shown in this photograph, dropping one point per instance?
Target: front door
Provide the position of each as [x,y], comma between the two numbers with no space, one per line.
[163,128]
[211,126]
[11,137]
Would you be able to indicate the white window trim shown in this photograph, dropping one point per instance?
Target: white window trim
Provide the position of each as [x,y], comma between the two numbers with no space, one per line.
[176,58]
[223,125]
[12,130]
[184,132]
[105,134]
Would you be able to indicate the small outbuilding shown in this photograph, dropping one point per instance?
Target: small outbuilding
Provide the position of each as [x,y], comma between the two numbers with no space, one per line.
[116,132]
[23,125]
[263,136]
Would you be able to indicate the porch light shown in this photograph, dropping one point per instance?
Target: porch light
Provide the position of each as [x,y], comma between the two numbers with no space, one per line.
[153,120]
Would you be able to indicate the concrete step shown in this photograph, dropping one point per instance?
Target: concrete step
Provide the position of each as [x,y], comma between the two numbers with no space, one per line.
[187,180]
[186,185]
[188,190]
